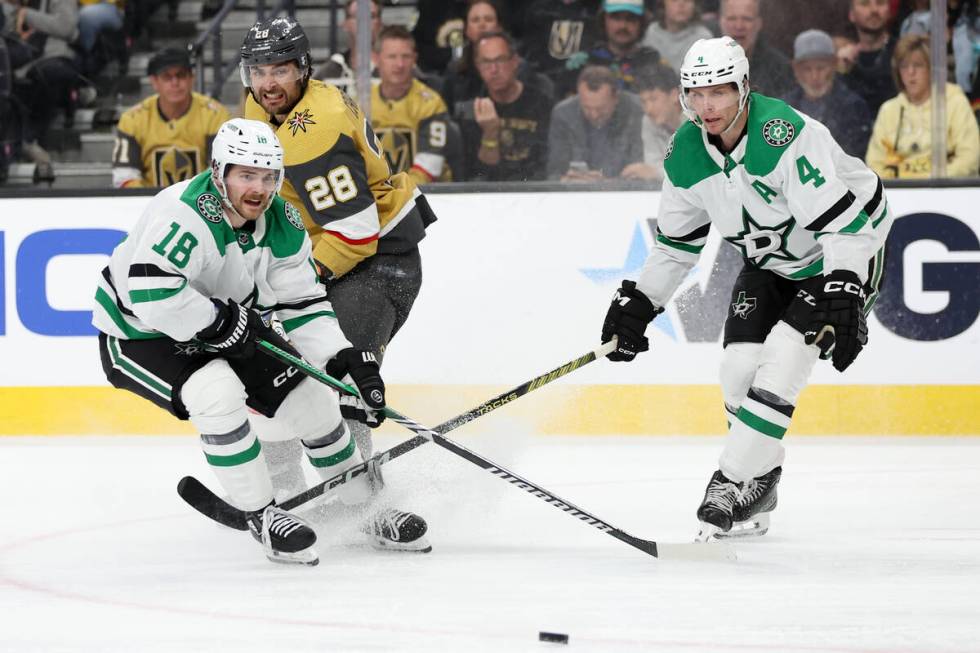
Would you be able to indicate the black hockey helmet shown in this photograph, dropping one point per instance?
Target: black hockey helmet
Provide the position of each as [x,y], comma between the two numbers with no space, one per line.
[274,40]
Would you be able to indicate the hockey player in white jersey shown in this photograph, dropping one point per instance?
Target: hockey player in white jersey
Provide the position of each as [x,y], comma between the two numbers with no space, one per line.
[178,308]
[810,223]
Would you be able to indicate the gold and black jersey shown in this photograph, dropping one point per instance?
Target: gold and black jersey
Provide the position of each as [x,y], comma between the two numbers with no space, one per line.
[151,151]
[417,133]
[338,176]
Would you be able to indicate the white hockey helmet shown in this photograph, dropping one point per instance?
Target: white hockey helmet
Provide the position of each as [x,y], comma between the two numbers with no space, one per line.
[246,143]
[710,62]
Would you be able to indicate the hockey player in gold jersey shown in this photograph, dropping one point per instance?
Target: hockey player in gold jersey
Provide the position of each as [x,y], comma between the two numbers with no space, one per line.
[167,137]
[365,223]
[410,118]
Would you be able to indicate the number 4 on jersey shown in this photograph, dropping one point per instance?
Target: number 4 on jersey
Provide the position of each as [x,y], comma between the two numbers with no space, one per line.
[808,173]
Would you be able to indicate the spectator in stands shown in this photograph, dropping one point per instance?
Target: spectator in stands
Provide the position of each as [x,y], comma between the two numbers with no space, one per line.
[771,73]
[901,142]
[595,134]
[964,20]
[48,78]
[440,28]
[819,94]
[867,64]
[676,29]
[96,16]
[505,135]
[659,89]
[409,117]
[167,137]
[463,81]
[438,33]
[340,69]
[556,30]
[623,23]
[784,19]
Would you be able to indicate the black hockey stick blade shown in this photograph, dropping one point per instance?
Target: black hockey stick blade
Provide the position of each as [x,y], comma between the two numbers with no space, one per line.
[201,498]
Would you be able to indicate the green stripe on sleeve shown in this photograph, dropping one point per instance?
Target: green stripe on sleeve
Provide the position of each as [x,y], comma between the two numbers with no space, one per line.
[684,247]
[155,294]
[811,270]
[855,226]
[296,322]
[109,306]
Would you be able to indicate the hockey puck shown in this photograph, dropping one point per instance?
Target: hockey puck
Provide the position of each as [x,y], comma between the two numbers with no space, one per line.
[557,638]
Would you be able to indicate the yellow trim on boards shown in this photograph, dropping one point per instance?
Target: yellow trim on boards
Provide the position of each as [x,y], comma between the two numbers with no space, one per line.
[564,410]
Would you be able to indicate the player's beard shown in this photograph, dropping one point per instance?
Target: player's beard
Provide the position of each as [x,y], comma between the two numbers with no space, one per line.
[283,108]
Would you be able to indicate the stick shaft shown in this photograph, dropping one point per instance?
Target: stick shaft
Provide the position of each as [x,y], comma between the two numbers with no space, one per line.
[530,487]
[401,449]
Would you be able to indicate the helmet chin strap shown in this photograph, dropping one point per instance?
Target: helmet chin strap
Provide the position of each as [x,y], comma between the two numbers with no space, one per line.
[742,103]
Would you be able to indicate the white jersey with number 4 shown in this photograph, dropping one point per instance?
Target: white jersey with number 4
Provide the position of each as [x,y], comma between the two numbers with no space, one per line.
[787,197]
[183,251]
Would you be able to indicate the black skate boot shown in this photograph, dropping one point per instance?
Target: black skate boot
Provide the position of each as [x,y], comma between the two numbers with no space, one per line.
[396,530]
[285,537]
[716,510]
[751,513]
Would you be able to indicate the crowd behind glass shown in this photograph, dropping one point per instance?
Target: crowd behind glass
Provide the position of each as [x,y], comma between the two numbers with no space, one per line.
[518,90]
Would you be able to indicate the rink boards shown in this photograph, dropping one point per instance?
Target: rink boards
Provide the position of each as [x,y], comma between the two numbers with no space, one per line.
[516,284]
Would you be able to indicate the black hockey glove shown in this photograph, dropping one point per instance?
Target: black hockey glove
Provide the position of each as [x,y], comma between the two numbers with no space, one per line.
[233,331]
[837,323]
[627,318]
[364,370]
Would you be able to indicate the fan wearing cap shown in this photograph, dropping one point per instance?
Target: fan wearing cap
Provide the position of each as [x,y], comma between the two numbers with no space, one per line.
[622,24]
[180,308]
[810,223]
[167,137]
[821,95]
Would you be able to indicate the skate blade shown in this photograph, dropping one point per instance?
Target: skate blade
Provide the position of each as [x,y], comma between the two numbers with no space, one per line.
[307,557]
[706,533]
[755,527]
[421,545]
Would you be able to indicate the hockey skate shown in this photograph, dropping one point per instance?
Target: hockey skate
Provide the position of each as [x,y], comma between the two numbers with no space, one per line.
[395,530]
[716,510]
[284,537]
[751,513]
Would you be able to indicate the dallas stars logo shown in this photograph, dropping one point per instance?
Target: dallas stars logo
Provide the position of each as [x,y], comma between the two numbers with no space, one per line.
[299,121]
[210,207]
[778,132]
[759,243]
[292,214]
[743,305]
[188,349]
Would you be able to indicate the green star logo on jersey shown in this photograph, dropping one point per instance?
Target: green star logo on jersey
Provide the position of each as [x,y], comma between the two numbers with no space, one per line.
[759,243]
[778,132]
[209,206]
[292,214]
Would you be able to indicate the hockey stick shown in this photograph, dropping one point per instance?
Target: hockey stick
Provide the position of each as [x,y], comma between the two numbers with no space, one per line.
[202,499]
[236,518]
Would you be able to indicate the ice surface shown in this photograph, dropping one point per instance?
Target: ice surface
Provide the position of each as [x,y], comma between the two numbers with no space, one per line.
[875,547]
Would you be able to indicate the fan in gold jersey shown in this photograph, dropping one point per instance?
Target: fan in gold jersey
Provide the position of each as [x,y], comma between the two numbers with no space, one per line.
[167,137]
